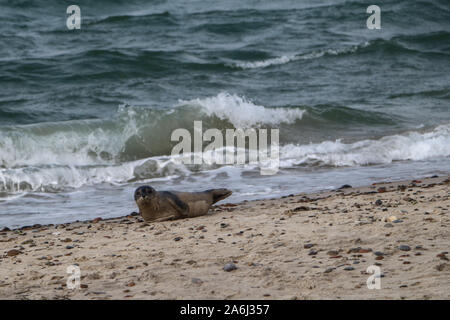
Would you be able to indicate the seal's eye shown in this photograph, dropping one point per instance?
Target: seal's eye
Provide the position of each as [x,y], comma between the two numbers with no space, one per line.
[147,191]
[139,193]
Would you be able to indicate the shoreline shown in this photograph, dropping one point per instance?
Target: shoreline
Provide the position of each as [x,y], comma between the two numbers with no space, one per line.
[312,194]
[302,246]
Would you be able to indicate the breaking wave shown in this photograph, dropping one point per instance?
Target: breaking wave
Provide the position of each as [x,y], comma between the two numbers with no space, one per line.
[60,161]
[410,146]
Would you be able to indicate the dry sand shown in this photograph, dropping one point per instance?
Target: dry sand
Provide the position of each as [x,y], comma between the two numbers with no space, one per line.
[315,246]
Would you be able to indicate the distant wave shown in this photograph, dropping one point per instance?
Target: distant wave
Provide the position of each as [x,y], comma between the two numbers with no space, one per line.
[294,57]
[431,43]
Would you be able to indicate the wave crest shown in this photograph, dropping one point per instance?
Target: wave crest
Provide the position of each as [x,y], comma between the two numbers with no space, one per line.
[243,113]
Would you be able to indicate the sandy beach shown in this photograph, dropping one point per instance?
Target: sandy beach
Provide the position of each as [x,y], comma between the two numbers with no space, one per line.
[303,246]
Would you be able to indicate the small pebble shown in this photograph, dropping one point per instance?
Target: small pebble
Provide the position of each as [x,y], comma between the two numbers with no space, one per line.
[349,268]
[13,252]
[229,267]
[197,281]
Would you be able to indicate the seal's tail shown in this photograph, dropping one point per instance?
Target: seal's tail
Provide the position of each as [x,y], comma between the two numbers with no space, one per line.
[220,194]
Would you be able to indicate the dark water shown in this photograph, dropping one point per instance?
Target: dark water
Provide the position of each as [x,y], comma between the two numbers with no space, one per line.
[86,115]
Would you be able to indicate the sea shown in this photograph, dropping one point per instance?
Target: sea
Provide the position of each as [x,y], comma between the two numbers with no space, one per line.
[87,115]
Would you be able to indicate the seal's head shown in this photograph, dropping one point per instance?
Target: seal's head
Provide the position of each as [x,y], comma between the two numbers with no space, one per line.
[220,194]
[144,194]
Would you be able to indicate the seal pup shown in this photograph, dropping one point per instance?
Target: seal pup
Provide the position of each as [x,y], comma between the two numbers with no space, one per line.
[170,205]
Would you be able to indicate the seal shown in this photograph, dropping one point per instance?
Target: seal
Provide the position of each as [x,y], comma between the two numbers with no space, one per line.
[170,205]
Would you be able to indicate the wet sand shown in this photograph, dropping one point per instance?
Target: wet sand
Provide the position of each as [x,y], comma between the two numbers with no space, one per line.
[305,246]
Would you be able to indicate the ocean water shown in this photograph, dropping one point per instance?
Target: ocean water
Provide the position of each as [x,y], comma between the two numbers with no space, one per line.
[86,115]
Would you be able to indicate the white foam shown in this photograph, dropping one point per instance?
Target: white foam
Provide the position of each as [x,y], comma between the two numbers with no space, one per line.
[243,113]
[58,178]
[410,146]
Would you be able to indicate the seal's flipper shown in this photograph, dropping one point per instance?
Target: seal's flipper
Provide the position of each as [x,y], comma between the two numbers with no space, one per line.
[220,194]
[164,219]
[181,207]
